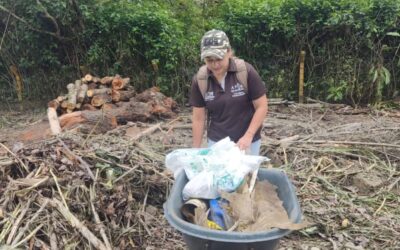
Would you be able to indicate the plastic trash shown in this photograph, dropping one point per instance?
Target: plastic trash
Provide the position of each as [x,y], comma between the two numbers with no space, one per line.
[221,167]
[217,213]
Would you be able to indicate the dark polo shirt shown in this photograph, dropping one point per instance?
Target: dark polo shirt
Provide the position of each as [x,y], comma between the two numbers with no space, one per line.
[230,110]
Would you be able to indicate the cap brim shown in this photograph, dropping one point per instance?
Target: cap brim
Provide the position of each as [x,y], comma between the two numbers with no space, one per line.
[216,53]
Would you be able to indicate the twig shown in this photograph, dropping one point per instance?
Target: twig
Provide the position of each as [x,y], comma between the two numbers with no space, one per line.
[5,30]
[126,173]
[18,221]
[380,207]
[145,226]
[390,187]
[253,180]
[234,226]
[145,200]
[83,164]
[77,224]
[33,28]
[53,241]
[97,219]
[28,237]
[22,231]
[59,189]
[350,143]
[146,132]
[18,159]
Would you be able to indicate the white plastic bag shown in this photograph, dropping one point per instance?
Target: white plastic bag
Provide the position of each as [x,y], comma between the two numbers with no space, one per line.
[221,167]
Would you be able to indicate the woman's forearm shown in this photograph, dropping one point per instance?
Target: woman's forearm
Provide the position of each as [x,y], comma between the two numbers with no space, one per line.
[198,121]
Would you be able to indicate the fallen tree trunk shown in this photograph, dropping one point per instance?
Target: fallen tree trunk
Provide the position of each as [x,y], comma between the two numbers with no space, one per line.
[107,119]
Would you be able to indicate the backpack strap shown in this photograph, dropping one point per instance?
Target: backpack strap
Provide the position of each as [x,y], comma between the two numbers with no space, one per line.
[202,80]
[241,76]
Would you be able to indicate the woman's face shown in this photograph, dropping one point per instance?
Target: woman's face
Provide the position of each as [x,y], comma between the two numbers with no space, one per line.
[218,66]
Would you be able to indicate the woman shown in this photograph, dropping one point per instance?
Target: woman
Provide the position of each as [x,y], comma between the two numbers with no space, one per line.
[232,92]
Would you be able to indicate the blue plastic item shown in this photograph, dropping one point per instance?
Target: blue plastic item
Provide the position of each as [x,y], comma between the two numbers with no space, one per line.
[198,237]
[217,213]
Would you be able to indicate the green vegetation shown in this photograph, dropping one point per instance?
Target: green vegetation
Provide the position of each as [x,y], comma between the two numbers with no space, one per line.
[352,46]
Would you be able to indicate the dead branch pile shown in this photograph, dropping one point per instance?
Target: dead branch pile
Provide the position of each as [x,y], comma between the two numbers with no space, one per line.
[79,192]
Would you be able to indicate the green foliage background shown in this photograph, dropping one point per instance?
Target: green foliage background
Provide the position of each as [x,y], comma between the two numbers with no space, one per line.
[352,47]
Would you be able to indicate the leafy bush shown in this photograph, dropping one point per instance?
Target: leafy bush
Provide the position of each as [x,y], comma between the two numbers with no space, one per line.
[351,47]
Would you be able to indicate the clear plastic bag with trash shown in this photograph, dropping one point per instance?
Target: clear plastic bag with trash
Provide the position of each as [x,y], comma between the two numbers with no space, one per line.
[221,167]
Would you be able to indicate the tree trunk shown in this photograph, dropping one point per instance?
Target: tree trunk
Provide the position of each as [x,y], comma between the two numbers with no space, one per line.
[122,96]
[72,92]
[53,121]
[120,83]
[88,77]
[93,92]
[82,93]
[106,80]
[99,100]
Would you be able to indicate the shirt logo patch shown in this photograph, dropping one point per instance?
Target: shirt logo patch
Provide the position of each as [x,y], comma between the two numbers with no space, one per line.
[209,96]
[237,90]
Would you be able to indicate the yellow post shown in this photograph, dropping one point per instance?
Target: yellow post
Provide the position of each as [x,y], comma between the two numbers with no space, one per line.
[301,77]
[18,81]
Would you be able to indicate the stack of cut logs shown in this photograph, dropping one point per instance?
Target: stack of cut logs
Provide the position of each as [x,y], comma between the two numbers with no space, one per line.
[91,93]
[114,96]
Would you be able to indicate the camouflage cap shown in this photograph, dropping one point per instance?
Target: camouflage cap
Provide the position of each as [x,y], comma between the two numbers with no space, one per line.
[214,43]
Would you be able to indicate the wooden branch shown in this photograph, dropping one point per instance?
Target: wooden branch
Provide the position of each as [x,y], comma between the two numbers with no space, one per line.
[106,80]
[71,96]
[146,131]
[74,222]
[122,96]
[33,28]
[95,79]
[82,93]
[16,157]
[48,16]
[88,77]
[64,104]
[53,104]
[88,106]
[78,84]
[98,221]
[53,121]
[25,228]
[83,164]
[99,100]
[349,142]
[61,98]
[92,85]
[18,221]
[120,83]
[93,92]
